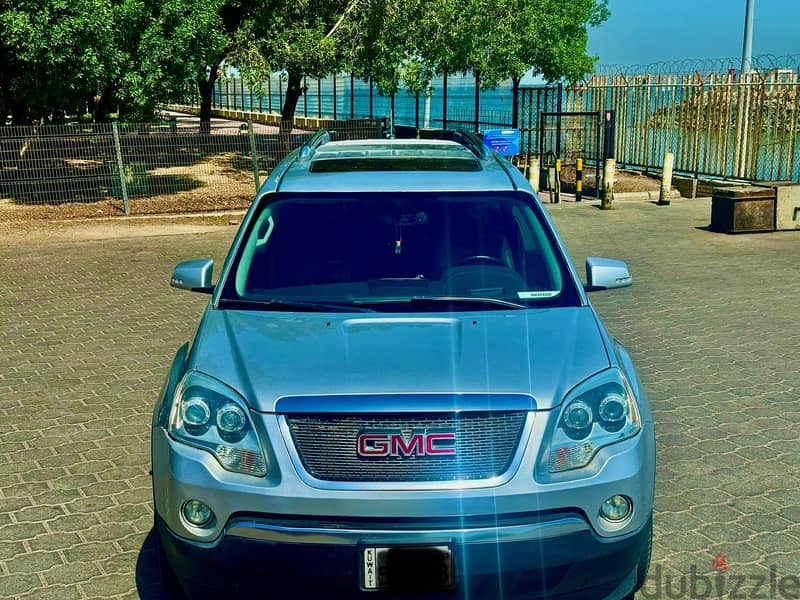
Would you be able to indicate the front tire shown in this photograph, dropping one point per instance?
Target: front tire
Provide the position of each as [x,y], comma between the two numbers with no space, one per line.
[643,566]
[169,583]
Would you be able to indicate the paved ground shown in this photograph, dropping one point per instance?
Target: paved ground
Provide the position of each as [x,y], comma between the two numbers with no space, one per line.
[87,329]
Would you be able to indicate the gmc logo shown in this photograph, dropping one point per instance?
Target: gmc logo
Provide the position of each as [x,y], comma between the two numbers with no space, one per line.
[379,444]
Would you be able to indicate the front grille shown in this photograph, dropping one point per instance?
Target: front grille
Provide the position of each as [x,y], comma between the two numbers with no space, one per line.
[485,444]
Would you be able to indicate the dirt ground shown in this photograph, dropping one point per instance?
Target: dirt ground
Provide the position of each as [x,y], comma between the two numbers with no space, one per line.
[158,205]
[236,194]
[625,181]
[178,176]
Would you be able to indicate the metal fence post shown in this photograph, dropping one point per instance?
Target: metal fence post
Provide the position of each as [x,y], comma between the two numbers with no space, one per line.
[444,101]
[254,155]
[120,168]
[335,112]
[371,115]
[559,108]
[477,101]
[352,96]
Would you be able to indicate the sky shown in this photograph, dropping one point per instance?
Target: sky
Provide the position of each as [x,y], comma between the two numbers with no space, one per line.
[647,31]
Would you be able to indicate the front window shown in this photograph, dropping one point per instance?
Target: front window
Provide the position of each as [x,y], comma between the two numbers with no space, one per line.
[403,251]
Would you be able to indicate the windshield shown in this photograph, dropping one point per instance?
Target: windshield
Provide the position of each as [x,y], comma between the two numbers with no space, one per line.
[379,251]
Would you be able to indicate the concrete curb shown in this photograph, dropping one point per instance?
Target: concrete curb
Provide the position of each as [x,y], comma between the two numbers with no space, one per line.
[645,196]
[123,218]
[618,197]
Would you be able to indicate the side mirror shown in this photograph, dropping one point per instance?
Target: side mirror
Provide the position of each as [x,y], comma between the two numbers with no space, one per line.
[606,274]
[193,275]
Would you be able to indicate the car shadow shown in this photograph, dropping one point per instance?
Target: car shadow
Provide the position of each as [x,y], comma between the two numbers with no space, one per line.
[148,571]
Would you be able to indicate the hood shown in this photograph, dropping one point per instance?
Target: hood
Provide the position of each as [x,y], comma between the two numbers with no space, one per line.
[268,355]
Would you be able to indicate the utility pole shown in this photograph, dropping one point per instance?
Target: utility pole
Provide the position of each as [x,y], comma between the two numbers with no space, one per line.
[747,46]
[743,112]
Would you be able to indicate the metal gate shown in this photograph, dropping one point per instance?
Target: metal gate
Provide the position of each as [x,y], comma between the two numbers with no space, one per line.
[573,137]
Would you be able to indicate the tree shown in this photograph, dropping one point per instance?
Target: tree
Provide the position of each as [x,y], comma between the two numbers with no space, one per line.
[298,37]
[64,57]
[507,38]
[184,49]
[410,41]
[497,40]
[58,57]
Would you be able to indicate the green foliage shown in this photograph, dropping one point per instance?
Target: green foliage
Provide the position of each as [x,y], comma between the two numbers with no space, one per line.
[414,39]
[72,56]
[185,40]
[58,56]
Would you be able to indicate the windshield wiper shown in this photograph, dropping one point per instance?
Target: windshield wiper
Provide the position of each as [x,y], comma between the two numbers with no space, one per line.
[493,303]
[291,305]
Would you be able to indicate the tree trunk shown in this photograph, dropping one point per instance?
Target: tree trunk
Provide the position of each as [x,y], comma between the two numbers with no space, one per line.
[515,102]
[104,106]
[294,89]
[206,92]
[206,88]
[3,108]
[20,115]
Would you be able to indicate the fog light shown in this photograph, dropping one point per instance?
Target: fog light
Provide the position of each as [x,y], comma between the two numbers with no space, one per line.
[197,513]
[616,508]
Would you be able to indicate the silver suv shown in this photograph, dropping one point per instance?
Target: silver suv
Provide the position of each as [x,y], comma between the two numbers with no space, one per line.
[399,388]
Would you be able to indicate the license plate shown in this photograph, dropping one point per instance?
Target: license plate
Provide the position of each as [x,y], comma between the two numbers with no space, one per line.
[407,568]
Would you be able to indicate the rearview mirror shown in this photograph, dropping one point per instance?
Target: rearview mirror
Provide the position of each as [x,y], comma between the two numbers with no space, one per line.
[606,274]
[193,275]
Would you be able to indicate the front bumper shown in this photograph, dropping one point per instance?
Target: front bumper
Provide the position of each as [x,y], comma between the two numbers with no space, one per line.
[524,539]
[552,556]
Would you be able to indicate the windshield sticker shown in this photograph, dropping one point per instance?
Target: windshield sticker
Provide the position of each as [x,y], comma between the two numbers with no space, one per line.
[537,295]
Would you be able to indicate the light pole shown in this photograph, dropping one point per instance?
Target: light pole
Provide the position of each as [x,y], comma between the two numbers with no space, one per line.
[747,46]
[742,120]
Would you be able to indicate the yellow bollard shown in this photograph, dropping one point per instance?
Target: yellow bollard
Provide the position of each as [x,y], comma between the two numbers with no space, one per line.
[557,186]
[608,184]
[579,180]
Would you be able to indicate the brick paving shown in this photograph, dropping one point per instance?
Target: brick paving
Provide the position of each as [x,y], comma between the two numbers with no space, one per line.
[88,328]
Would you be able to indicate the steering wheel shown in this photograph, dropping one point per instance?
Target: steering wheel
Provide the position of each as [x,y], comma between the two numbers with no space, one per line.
[481,258]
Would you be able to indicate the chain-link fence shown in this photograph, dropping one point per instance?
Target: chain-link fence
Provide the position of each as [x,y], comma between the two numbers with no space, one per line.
[450,101]
[716,121]
[720,125]
[171,163]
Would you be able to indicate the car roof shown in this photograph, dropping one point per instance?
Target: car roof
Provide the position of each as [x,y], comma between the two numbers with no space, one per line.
[408,165]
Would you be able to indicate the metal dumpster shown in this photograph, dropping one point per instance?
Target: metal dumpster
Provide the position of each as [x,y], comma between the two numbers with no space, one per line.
[746,208]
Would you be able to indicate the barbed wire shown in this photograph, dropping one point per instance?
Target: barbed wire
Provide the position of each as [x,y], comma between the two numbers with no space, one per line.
[764,63]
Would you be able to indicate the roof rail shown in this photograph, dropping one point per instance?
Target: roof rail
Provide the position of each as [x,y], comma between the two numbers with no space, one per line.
[468,139]
[318,139]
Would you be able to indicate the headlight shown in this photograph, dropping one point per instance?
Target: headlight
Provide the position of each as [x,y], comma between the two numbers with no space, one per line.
[598,412]
[209,415]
